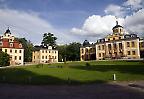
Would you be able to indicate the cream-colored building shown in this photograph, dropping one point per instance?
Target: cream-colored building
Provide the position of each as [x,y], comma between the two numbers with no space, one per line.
[13,47]
[44,55]
[118,45]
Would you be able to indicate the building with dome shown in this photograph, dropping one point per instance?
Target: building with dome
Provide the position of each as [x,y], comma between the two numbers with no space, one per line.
[117,45]
[10,45]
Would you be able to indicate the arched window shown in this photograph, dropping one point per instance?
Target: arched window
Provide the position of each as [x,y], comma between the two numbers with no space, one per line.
[82,50]
[86,50]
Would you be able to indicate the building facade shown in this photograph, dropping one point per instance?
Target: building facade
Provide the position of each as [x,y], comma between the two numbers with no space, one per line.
[117,45]
[13,47]
[44,55]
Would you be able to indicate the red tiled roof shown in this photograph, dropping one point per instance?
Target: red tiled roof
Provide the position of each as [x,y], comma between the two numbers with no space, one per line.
[6,44]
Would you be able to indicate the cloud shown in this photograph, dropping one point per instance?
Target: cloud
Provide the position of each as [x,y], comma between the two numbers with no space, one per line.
[131,17]
[96,25]
[115,10]
[23,24]
[135,22]
[134,4]
[27,24]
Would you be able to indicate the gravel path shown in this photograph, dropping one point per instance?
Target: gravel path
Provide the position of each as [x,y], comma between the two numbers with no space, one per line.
[93,91]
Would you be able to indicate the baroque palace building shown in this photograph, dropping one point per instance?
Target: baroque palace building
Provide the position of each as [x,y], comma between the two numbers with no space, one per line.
[118,45]
[10,45]
[43,54]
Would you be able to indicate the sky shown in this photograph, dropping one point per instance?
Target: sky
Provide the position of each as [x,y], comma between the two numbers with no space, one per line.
[70,20]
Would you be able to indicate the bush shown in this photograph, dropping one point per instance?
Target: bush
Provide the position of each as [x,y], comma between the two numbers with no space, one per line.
[4,59]
[88,66]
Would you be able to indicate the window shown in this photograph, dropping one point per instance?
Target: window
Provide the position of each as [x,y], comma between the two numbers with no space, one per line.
[82,57]
[6,50]
[49,51]
[20,45]
[46,51]
[15,57]
[103,54]
[45,57]
[142,44]
[10,40]
[114,45]
[19,51]
[99,47]
[55,57]
[128,52]
[10,50]
[99,54]
[109,46]
[11,44]
[86,50]
[108,39]
[102,47]
[133,52]
[49,56]
[55,51]
[42,57]
[19,57]
[34,57]
[113,38]
[42,51]
[119,37]
[15,51]
[133,44]
[128,44]
[1,43]
[120,45]
[82,50]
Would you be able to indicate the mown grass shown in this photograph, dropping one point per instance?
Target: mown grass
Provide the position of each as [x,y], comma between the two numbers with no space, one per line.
[73,73]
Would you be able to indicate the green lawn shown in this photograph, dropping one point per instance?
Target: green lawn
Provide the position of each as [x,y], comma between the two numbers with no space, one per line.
[74,73]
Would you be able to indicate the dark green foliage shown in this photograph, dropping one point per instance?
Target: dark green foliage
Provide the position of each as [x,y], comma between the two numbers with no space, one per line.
[49,40]
[28,48]
[62,52]
[69,52]
[72,51]
[4,59]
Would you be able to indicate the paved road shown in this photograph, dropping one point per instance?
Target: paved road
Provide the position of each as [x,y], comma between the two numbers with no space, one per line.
[94,91]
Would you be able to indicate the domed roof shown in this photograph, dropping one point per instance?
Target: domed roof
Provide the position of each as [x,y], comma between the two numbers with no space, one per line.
[117,25]
[86,42]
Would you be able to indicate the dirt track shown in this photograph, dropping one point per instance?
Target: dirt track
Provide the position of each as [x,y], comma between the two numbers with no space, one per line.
[94,91]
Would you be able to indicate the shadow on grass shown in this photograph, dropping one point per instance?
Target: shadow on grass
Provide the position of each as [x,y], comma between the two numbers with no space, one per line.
[132,69]
[22,76]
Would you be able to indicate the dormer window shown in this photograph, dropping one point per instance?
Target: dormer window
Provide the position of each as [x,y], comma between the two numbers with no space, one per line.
[20,45]
[10,40]
[133,35]
[11,44]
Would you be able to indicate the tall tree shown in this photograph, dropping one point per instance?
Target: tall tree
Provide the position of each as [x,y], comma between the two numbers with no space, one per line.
[28,48]
[4,59]
[49,40]
[73,51]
